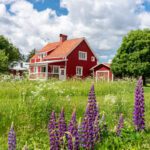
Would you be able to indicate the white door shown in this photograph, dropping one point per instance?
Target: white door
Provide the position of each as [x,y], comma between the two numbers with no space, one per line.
[62,74]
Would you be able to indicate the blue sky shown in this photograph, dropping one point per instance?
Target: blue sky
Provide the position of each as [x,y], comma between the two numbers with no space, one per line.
[31,24]
[53,4]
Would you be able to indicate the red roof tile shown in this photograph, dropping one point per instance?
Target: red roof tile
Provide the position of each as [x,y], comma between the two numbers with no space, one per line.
[107,64]
[49,46]
[64,48]
[59,50]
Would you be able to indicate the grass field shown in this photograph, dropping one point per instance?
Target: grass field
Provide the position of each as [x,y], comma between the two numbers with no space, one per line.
[29,104]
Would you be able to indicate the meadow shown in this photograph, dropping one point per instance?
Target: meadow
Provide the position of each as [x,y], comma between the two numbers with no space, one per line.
[28,104]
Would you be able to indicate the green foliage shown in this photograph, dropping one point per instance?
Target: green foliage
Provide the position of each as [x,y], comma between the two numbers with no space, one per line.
[10,51]
[133,57]
[29,104]
[31,54]
[3,61]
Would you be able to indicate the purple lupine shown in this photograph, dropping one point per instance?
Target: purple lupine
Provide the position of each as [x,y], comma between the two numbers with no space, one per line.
[73,137]
[79,129]
[97,109]
[92,102]
[104,125]
[120,125]
[53,133]
[62,126]
[87,130]
[97,130]
[139,109]
[12,139]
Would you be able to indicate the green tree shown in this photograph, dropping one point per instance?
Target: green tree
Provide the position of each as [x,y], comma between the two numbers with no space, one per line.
[10,50]
[3,61]
[31,54]
[133,57]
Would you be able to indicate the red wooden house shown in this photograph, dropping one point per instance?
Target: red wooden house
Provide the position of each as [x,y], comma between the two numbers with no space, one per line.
[102,72]
[63,59]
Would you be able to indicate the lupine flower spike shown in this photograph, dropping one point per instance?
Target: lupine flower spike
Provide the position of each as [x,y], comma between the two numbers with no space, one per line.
[97,130]
[120,125]
[73,137]
[53,133]
[87,130]
[97,109]
[62,126]
[12,138]
[139,109]
[104,122]
[92,102]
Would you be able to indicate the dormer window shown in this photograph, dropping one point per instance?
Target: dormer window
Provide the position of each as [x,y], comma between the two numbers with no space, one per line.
[82,55]
[42,55]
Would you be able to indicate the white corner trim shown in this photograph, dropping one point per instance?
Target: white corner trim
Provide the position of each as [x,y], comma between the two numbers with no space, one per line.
[90,48]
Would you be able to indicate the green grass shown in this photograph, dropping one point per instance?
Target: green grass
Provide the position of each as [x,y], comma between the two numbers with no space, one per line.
[29,104]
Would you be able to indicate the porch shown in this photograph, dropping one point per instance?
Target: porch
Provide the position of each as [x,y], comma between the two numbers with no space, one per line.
[45,71]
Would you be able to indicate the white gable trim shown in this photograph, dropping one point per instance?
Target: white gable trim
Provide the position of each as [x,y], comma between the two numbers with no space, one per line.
[90,48]
[98,65]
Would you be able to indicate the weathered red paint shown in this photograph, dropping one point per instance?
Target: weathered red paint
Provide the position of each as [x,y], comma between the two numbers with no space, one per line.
[14,72]
[73,60]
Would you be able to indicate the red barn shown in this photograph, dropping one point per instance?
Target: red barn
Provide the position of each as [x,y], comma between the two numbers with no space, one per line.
[102,72]
[66,58]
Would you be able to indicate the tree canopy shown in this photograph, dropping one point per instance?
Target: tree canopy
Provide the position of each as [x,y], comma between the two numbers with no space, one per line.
[8,53]
[133,57]
[31,54]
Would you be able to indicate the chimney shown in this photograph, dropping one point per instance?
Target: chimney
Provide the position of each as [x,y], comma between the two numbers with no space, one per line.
[63,38]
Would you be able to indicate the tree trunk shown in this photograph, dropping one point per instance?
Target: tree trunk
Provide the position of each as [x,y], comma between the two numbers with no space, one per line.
[144,80]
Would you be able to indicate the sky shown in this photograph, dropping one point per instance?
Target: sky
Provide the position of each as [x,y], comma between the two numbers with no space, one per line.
[30,24]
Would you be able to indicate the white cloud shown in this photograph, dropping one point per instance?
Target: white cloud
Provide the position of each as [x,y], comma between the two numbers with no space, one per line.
[103,57]
[145,20]
[110,60]
[103,23]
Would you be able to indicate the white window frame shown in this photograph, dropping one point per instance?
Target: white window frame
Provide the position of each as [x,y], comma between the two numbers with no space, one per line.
[92,58]
[53,69]
[77,71]
[81,53]
[36,69]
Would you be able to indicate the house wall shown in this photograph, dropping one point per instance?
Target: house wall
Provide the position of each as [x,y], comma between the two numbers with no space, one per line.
[73,60]
[103,68]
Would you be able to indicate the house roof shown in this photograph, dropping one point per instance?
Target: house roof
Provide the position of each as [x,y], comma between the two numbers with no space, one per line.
[49,46]
[65,48]
[59,50]
[105,64]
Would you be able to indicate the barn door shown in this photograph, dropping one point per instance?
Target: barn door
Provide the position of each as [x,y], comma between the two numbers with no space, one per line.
[102,76]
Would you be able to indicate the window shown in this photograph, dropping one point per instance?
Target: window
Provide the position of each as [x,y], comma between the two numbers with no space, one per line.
[43,69]
[56,69]
[82,55]
[42,55]
[93,58]
[21,65]
[79,71]
[35,69]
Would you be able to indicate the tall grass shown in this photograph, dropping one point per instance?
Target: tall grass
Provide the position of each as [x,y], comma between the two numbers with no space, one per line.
[29,105]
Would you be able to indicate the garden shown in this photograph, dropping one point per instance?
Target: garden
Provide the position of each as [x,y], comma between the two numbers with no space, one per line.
[73,114]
